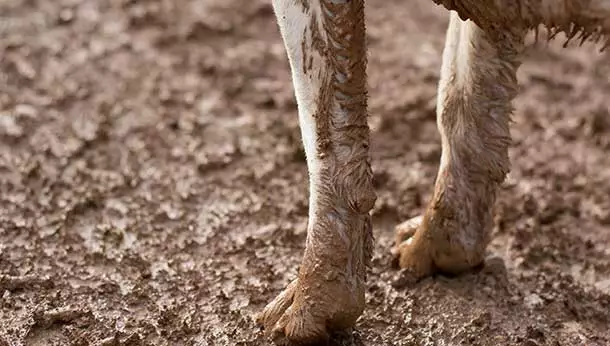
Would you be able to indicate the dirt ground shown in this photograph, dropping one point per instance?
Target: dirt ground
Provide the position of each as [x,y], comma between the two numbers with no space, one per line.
[154,188]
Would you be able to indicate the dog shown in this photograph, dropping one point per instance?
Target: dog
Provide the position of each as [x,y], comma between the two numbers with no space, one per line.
[326,48]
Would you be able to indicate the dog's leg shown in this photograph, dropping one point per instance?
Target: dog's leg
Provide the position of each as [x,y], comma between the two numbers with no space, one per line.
[478,82]
[325,41]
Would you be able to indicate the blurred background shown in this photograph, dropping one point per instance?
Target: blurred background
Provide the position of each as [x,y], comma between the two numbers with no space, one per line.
[153,186]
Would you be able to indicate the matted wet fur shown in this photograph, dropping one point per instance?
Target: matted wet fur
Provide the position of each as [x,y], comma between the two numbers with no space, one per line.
[325,41]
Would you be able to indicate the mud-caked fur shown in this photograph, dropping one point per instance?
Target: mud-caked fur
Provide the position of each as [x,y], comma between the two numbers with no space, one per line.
[326,48]
[325,41]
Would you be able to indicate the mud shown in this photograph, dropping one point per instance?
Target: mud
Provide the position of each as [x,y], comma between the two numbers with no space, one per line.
[154,188]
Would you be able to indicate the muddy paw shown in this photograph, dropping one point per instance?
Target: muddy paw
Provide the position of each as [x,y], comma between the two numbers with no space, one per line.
[438,242]
[404,232]
[284,318]
[411,252]
[306,314]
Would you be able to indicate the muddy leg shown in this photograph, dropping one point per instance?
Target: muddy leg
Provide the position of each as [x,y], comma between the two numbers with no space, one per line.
[325,41]
[478,82]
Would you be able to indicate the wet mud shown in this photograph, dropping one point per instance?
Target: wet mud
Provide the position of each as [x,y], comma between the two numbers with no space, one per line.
[153,187]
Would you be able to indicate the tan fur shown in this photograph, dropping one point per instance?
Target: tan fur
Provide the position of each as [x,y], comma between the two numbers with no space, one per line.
[587,19]
[474,107]
[329,291]
[325,41]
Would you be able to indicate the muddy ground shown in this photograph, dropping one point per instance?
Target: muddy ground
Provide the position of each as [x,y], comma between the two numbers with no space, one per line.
[153,186]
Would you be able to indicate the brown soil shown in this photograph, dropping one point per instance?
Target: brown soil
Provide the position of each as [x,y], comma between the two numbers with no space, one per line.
[154,189]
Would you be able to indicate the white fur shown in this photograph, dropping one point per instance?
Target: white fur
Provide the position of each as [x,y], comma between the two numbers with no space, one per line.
[455,69]
[293,22]
[451,42]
